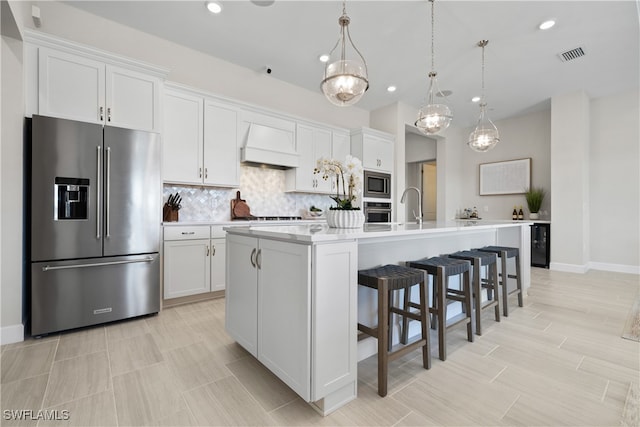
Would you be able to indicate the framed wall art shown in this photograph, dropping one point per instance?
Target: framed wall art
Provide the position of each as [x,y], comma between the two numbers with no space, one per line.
[508,177]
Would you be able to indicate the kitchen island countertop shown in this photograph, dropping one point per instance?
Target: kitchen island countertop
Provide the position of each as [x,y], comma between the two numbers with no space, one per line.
[320,232]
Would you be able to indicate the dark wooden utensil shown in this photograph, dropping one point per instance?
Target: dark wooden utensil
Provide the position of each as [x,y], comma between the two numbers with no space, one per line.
[239,208]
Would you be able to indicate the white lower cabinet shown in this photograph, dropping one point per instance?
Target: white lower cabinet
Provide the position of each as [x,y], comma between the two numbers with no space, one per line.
[272,297]
[194,260]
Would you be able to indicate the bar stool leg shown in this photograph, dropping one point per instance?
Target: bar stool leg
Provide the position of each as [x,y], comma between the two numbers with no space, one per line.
[519,280]
[467,303]
[503,281]
[383,336]
[477,300]
[405,320]
[442,313]
[493,277]
[424,324]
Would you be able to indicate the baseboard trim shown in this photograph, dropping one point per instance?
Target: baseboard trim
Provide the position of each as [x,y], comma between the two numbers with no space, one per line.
[11,334]
[568,268]
[617,268]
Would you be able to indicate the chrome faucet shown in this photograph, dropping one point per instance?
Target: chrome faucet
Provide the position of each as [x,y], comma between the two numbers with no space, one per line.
[404,195]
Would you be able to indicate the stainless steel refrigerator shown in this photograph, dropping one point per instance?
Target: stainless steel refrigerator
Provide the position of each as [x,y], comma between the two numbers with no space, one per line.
[94,215]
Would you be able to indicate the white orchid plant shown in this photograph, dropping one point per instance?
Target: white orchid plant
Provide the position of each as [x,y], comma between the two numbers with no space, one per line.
[347,174]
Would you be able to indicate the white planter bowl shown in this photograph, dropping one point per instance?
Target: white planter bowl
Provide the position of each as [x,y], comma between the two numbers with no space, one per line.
[337,218]
[534,215]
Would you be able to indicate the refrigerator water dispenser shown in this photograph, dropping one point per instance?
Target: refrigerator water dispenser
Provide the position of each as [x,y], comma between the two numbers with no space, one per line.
[71,199]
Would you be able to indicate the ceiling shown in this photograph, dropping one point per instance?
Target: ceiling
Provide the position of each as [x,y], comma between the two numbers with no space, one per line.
[522,67]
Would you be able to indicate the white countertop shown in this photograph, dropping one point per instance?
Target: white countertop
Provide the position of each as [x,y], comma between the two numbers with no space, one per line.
[320,232]
[244,223]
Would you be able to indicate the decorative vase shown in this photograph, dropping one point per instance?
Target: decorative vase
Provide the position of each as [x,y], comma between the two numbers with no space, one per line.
[534,215]
[345,218]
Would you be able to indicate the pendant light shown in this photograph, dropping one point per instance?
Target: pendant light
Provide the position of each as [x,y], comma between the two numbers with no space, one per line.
[433,117]
[345,81]
[485,136]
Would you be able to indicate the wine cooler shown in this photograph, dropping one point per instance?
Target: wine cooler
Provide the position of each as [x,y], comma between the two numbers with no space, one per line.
[540,244]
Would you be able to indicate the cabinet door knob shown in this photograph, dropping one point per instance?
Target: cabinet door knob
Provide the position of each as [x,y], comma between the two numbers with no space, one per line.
[259,259]
[206,173]
[199,172]
[207,250]
[109,114]
[101,113]
[213,250]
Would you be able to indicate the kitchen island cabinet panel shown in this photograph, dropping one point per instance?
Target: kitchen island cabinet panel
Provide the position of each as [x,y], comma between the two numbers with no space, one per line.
[277,310]
[241,302]
[284,312]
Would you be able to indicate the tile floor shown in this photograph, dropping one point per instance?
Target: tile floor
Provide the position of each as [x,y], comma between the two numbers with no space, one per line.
[559,360]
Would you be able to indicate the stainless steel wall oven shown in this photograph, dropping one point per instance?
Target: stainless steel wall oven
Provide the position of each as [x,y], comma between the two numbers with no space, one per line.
[377,212]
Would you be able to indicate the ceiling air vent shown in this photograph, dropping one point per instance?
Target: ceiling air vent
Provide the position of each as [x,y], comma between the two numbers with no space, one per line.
[571,54]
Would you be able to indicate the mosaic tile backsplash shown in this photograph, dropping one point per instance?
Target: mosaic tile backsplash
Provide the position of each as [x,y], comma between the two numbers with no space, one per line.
[263,189]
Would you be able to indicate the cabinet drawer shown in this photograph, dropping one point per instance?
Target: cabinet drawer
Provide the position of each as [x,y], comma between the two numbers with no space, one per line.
[217,231]
[187,232]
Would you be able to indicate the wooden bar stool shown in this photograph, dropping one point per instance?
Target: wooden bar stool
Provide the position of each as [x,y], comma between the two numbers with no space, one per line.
[479,259]
[386,280]
[504,253]
[441,268]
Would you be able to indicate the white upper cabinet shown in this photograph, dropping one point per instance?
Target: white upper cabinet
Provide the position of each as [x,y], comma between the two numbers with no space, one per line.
[374,148]
[182,137]
[77,87]
[200,140]
[312,143]
[221,164]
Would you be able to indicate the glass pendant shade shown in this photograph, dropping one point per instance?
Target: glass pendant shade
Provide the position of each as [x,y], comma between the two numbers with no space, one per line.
[485,136]
[344,83]
[345,80]
[433,118]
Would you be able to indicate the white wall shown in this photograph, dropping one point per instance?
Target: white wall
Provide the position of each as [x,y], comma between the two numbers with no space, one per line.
[11,154]
[570,126]
[419,148]
[526,136]
[614,183]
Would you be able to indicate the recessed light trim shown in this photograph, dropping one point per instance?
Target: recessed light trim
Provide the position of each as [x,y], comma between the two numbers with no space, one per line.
[475,99]
[324,57]
[391,88]
[547,24]
[214,7]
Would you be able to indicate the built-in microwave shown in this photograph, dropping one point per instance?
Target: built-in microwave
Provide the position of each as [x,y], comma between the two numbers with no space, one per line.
[377,185]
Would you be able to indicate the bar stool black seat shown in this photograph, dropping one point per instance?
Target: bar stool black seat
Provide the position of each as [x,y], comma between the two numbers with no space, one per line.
[386,280]
[504,253]
[478,260]
[441,268]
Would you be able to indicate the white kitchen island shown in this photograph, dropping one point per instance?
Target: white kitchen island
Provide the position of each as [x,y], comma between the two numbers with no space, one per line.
[293,302]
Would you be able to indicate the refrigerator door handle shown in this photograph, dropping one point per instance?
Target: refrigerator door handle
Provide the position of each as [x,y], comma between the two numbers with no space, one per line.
[108,195]
[98,164]
[95,264]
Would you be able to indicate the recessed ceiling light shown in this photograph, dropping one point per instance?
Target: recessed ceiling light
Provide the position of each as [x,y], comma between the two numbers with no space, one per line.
[214,7]
[391,89]
[547,24]
[475,99]
[324,57]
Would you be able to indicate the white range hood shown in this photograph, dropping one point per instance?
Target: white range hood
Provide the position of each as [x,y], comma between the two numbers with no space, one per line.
[268,140]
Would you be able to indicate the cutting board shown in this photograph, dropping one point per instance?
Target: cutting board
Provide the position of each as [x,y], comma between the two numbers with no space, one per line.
[239,208]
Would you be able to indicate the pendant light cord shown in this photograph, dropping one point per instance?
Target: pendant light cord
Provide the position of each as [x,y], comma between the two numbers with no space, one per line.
[433,54]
